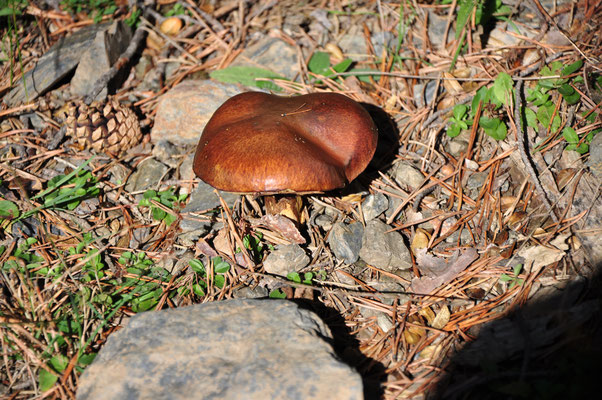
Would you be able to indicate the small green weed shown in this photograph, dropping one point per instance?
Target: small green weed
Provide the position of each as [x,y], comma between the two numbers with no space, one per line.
[248,76]
[66,191]
[319,65]
[513,280]
[218,278]
[160,201]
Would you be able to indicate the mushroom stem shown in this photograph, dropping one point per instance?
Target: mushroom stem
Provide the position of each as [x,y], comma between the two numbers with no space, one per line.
[289,205]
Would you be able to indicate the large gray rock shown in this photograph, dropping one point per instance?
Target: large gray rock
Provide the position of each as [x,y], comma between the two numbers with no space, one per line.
[235,349]
[382,249]
[183,112]
[270,53]
[92,50]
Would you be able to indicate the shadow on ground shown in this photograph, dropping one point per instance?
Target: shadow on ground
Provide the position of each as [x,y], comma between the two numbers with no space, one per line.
[549,349]
[347,348]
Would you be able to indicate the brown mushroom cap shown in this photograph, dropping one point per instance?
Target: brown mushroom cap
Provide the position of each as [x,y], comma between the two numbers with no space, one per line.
[262,143]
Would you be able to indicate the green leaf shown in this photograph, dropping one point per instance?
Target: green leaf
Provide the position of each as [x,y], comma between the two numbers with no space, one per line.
[197,266]
[544,115]
[505,278]
[248,76]
[46,380]
[86,359]
[294,276]
[464,12]
[319,63]
[460,111]
[517,268]
[198,290]
[454,130]
[343,65]
[531,118]
[220,265]
[158,214]
[502,87]
[277,294]
[570,95]
[494,127]
[219,281]
[480,96]
[221,268]
[59,362]
[169,219]
[570,135]
[8,210]
[569,69]
[150,194]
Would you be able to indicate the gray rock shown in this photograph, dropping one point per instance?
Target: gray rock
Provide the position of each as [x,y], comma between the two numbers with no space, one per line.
[374,205]
[203,198]
[406,175]
[65,55]
[270,53]
[103,52]
[324,221]
[457,147]
[475,182]
[247,292]
[166,152]
[234,349]
[147,175]
[424,93]
[595,156]
[353,44]
[346,241]
[183,111]
[286,259]
[382,249]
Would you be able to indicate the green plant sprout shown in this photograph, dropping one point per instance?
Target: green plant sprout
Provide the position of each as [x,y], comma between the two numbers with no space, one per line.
[220,268]
[319,64]
[166,198]
[249,76]
[514,280]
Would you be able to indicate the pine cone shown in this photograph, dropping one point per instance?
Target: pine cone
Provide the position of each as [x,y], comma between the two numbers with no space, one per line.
[109,128]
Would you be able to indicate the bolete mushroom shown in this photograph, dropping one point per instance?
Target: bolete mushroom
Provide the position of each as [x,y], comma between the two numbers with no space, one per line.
[267,144]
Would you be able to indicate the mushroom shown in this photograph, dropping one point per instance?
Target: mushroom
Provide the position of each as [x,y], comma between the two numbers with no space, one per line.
[266,144]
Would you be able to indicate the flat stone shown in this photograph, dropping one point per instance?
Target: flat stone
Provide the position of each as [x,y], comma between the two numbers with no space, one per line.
[183,111]
[286,259]
[346,241]
[595,156]
[147,175]
[374,205]
[457,147]
[104,50]
[407,175]
[270,53]
[204,198]
[233,349]
[384,250]
[65,55]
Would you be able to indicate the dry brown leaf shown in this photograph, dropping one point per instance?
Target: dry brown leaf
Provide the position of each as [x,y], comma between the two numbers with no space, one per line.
[281,225]
[436,271]
[540,256]
[420,241]
[442,318]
